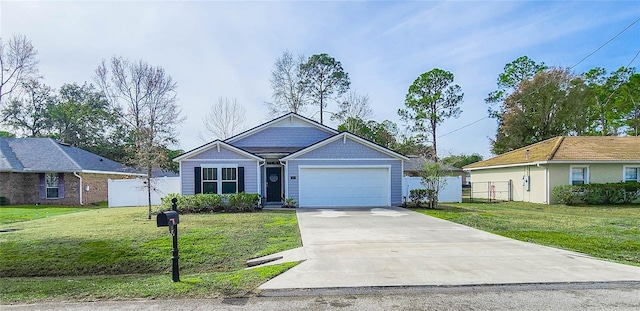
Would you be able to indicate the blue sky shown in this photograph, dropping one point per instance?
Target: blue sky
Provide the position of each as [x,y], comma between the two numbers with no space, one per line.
[227,49]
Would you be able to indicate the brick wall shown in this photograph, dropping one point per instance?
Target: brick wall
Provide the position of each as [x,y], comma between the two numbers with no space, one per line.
[19,188]
[22,188]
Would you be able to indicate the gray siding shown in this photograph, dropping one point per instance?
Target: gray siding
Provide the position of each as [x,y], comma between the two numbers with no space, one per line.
[344,150]
[283,137]
[396,174]
[250,174]
[214,154]
[222,157]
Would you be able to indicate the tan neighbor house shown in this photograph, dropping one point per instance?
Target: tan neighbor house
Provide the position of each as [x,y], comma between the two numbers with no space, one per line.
[536,169]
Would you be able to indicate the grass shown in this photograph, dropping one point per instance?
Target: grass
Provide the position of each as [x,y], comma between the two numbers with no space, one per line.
[607,232]
[16,213]
[118,254]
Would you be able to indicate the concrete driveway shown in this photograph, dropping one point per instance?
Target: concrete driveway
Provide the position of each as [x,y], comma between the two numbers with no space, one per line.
[394,247]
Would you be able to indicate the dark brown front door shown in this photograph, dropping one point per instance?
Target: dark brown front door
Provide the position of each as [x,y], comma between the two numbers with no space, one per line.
[274,184]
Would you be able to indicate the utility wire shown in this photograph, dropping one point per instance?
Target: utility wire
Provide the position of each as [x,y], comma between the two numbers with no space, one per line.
[616,89]
[576,64]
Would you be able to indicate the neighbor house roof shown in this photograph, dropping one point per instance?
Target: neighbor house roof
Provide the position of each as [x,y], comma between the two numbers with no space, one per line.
[416,163]
[40,155]
[569,149]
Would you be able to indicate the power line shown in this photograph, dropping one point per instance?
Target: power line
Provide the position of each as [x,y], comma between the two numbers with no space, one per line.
[616,89]
[578,63]
[600,47]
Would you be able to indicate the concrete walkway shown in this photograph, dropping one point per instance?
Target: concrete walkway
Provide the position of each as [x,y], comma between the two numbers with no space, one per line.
[369,247]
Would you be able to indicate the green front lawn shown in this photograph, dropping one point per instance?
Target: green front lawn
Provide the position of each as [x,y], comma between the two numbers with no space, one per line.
[117,253]
[608,232]
[15,213]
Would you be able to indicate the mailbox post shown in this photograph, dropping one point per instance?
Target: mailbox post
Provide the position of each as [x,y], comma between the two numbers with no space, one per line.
[175,275]
[171,219]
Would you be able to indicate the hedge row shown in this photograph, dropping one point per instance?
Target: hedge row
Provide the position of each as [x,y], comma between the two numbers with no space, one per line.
[208,203]
[595,194]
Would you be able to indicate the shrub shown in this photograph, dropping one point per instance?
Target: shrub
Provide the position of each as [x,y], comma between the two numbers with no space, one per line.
[568,194]
[206,203]
[595,194]
[290,203]
[417,196]
[4,201]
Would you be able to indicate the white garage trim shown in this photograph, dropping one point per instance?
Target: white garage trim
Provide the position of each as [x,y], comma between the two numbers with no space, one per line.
[359,185]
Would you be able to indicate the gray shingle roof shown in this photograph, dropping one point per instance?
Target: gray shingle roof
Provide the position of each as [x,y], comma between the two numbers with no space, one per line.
[416,163]
[49,155]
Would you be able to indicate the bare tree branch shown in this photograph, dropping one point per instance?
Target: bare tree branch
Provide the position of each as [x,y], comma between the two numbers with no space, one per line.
[354,107]
[146,98]
[225,118]
[18,64]
[289,95]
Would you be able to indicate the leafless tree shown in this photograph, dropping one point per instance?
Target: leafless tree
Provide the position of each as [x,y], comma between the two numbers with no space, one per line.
[353,109]
[145,96]
[225,118]
[289,95]
[18,64]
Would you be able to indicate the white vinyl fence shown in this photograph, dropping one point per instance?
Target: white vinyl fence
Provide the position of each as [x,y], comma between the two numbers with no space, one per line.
[132,192]
[451,192]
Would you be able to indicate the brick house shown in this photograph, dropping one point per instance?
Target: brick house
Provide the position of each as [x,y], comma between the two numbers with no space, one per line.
[45,171]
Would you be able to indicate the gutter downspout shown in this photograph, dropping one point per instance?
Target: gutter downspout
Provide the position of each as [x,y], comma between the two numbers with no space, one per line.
[79,177]
[546,184]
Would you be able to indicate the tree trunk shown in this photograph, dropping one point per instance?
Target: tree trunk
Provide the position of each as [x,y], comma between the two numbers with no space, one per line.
[435,144]
[321,104]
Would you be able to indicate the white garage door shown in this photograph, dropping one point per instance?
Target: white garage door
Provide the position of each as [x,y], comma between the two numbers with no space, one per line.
[350,186]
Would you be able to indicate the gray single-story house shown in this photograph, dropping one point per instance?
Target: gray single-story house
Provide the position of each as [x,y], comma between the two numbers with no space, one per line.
[295,157]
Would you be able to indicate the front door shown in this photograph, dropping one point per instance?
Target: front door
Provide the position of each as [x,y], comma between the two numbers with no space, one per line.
[274,184]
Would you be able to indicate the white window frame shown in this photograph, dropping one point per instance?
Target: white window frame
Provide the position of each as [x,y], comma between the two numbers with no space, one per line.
[204,181]
[624,172]
[218,179]
[586,173]
[53,177]
[234,181]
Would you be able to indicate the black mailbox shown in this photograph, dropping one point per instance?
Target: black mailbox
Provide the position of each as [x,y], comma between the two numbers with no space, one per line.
[163,219]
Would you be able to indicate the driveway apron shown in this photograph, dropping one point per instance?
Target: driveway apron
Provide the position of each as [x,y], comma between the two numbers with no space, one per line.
[392,246]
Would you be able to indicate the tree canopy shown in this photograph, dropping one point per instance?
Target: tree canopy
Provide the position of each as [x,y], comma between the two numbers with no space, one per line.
[323,79]
[431,99]
[551,104]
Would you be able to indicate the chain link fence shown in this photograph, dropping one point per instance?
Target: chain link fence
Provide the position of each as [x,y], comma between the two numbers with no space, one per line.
[488,192]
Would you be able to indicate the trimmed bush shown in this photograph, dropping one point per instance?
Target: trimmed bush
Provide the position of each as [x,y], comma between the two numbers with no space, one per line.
[598,194]
[4,201]
[417,196]
[211,203]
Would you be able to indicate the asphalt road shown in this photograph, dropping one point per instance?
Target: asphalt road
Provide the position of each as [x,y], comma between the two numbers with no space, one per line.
[585,296]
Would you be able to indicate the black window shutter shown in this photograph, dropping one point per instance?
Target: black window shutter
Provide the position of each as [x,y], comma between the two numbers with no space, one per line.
[197,179]
[240,179]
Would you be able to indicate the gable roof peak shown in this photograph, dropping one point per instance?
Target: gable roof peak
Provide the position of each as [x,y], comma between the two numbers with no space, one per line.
[215,143]
[277,120]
